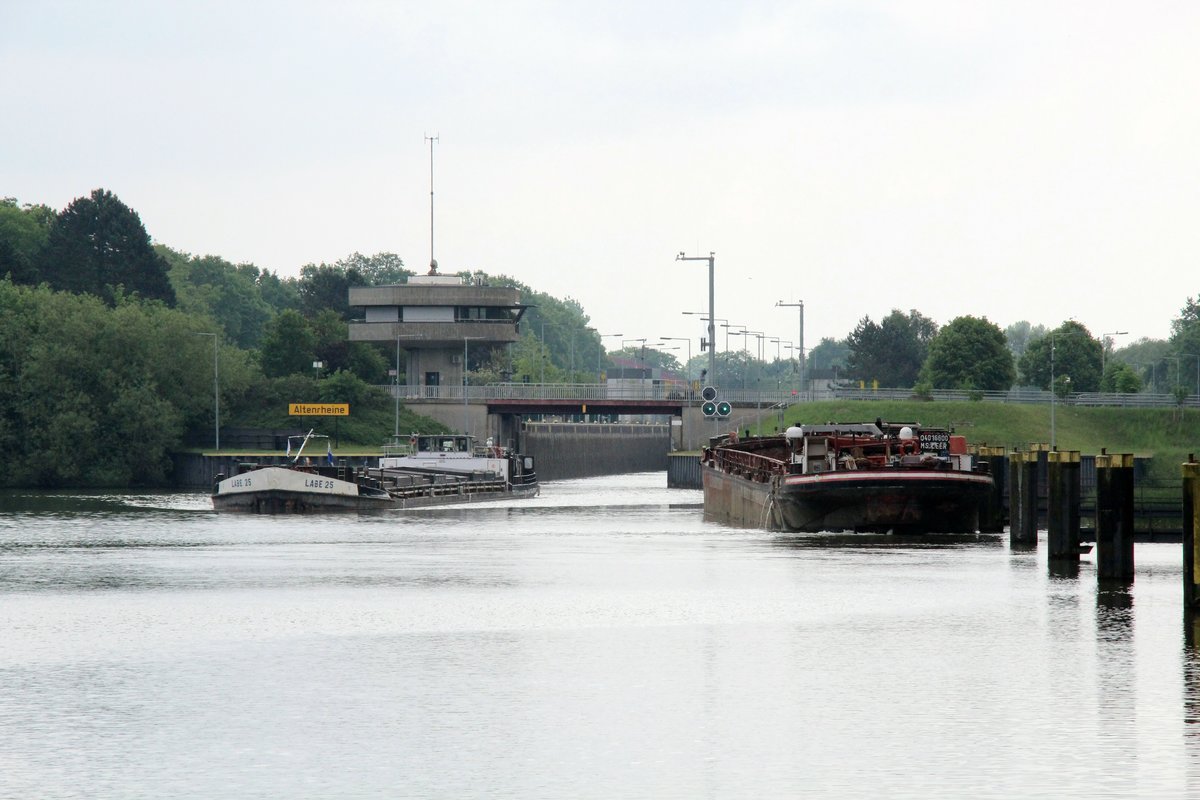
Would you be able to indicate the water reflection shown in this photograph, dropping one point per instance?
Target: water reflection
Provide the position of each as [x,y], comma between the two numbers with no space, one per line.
[1062,569]
[1116,668]
[886,540]
[600,641]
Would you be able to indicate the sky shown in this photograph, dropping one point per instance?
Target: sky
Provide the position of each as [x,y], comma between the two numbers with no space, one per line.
[1031,161]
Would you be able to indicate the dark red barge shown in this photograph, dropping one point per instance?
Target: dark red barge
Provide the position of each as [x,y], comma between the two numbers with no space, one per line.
[876,477]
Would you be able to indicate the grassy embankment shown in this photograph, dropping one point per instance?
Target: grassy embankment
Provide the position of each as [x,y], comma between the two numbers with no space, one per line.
[1167,435]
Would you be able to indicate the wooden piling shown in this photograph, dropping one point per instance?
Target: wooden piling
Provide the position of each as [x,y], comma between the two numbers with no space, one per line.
[991,507]
[1191,533]
[1114,517]
[1023,501]
[1063,479]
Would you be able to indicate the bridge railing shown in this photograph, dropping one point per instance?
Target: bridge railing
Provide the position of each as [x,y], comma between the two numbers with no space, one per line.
[583,392]
[750,399]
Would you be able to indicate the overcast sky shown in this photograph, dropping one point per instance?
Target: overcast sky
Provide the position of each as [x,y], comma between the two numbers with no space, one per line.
[1012,160]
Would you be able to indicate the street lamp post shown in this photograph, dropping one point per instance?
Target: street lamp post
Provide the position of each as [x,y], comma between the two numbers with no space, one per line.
[643,346]
[704,318]
[465,383]
[778,344]
[712,310]
[760,336]
[600,352]
[542,358]
[689,351]
[396,385]
[1193,355]
[399,336]
[1053,395]
[800,305]
[216,391]
[1104,337]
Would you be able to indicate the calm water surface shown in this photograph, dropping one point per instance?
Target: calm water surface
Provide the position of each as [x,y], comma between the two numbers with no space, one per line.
[600,641]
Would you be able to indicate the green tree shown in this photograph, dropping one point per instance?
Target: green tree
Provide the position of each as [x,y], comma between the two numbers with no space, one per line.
[649,358]
[1076,355]
[334,348]
[326,287]
[562,325]
[381,269]
[97,245]
[1020,334]
[970,353]
[1185,344]
[288,347]
[93,396]
[23,233]
[281,294]
[893,351]
[1144,356]
[1121,378]
[828,354]
[212,287]
[532,363]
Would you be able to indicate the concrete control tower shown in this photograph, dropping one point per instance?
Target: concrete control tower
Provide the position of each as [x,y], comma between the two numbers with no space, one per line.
[435,318]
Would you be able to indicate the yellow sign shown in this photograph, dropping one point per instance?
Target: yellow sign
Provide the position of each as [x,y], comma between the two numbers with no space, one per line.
[319,409]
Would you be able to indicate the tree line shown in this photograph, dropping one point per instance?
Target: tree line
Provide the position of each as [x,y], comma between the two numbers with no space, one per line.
[103,371]
[910,351]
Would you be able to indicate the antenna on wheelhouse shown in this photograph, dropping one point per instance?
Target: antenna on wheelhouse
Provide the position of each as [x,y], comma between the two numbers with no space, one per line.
[432,260]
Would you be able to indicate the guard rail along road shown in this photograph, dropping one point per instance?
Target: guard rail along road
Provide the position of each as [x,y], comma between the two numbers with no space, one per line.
[743,398]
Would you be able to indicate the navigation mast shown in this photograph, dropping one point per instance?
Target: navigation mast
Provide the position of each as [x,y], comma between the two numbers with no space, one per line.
[432,260]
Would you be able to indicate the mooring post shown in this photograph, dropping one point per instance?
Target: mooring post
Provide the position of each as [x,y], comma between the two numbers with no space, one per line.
[991,507]
[1114,517]
[1023,505]
[1062,507]
[1014,496]
[1191,532]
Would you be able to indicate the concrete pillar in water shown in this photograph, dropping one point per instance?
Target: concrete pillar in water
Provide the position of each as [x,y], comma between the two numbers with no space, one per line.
[1114,517]
[991,508]
[1062,507]
[1191,534]
[1023,496]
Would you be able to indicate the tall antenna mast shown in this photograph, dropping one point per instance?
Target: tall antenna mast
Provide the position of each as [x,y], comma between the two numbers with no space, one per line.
[432,260]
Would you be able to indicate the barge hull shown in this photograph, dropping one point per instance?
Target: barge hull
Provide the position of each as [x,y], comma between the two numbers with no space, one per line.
[280,501]
[738,502]
[907,504]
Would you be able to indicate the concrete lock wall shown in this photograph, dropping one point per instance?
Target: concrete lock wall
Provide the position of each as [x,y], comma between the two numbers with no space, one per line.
[567,450]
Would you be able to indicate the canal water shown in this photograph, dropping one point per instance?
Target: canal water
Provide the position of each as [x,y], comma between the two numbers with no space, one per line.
[600,641]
